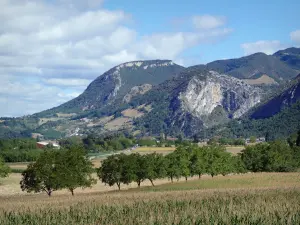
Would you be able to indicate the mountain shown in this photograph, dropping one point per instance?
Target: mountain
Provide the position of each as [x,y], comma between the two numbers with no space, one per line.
[285,99]
[290,56]
[196,99]
[276,118]
[119,81]
[255,66]
[228,97]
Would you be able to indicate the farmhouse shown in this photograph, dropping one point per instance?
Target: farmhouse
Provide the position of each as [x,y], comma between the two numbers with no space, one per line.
[43,144]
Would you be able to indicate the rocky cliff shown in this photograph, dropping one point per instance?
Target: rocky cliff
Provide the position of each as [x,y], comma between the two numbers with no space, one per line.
[198,99]
[201,97]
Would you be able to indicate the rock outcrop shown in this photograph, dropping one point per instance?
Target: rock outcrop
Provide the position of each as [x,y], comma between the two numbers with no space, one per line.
[137,90]
[203,96]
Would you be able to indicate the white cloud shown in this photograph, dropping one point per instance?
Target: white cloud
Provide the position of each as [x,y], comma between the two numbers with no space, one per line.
[49,49]
[170,45]
[295,36]
[67,82]
[19,98]
[267,47]
[208,21]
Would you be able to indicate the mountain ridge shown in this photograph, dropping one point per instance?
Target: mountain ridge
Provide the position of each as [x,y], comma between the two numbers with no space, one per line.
[154,96]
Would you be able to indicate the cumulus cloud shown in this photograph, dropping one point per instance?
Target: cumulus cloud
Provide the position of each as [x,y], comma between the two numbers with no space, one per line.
[295,36]
[52,49]
[208,21]
[67,82]
[267,47]
[21,97]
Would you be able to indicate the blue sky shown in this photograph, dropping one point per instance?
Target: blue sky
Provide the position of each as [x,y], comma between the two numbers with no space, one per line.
[251,21]
[55,48]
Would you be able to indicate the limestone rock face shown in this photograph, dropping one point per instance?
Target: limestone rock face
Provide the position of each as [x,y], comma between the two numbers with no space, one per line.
[204,94]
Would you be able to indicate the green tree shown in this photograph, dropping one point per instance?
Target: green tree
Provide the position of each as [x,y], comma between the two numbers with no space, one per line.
[279,157]
[42,175]
[111,170]
[129,168]
[252,139]
[225,163]
[214,157]
[74,169]
[276,156]
[135,169]
[155,167]
[254,157]
[173,167]
[183,153]
[238,164]
[4,169]
[197,162]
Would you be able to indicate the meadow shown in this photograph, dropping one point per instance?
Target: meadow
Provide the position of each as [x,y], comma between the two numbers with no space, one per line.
[253,198]
[165,150]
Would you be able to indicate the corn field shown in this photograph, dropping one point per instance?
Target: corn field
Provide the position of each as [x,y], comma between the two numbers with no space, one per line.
[235,206]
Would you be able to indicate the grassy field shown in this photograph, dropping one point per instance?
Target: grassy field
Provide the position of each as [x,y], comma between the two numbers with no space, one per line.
[165,150]
[263,198]
[235,149]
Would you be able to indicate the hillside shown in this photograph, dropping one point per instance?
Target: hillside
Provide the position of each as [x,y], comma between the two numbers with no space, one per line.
[196,99]
[284,100]
[290,56]
[254,66]
[119,81]
[155,96]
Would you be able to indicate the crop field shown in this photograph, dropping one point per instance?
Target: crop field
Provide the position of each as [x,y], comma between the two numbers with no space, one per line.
[235,149]
[149,150]
[232,149]
[18,166]
[262,198]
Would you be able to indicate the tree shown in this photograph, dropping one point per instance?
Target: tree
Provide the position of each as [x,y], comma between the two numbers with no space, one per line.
[252,139]
[198,163]
[134,169]
[254,157]
[214,161]
[42,175]
[111,170]
[183,160]
[238,164]
[129,168]
[74,169]
[173,168]
[4,169]
[276,156]
[279,157]
[225,163]
[155,167]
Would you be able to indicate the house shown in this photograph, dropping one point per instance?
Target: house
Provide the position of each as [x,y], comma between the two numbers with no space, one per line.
[43,144]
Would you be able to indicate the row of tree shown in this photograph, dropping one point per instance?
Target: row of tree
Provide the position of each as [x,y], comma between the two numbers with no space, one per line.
[185,161]
[70,168]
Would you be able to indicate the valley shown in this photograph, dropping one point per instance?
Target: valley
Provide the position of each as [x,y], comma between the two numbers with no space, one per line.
[149,112]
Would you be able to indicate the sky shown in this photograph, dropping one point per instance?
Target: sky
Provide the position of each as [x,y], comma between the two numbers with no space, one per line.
[50,50]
